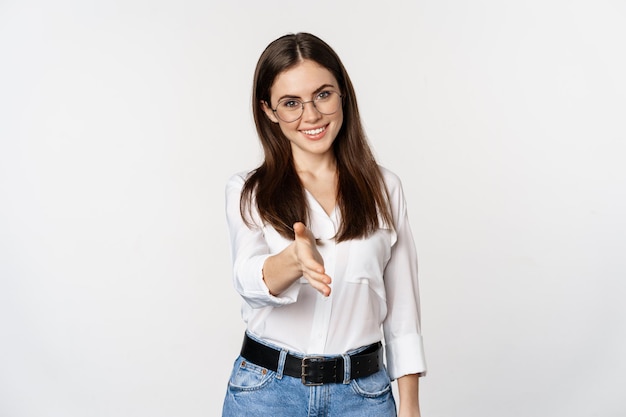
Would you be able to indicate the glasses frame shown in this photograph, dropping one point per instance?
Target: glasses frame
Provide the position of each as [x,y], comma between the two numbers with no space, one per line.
[302,103]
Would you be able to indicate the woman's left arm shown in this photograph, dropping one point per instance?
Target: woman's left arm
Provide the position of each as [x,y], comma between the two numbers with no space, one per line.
[403,339]
[408,391]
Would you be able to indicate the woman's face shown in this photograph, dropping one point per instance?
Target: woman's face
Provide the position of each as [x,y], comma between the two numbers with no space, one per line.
[313,134]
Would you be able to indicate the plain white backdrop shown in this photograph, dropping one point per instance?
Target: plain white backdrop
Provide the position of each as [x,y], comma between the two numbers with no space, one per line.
[120,122]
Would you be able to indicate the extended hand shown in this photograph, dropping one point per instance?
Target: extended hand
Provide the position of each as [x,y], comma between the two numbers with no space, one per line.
[310,260]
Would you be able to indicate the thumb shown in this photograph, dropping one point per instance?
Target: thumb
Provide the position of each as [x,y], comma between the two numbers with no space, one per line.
[299,229]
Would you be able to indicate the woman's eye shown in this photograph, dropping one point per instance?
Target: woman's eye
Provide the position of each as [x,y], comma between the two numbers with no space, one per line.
[290,104]
[323,95]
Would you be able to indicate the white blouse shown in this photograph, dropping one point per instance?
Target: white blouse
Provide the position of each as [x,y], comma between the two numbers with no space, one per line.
[374,283]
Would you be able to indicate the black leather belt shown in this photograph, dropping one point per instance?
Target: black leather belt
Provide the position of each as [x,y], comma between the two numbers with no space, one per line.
[315,370]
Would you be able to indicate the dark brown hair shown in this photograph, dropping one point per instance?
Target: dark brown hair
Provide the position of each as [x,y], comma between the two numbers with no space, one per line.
[275,187]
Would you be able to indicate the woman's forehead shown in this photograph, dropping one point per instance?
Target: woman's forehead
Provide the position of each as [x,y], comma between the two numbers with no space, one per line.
[302,79]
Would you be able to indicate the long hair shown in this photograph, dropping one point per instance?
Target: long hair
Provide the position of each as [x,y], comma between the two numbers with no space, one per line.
[275,187]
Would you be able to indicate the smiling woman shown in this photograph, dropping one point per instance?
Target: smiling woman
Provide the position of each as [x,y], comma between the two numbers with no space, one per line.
[323,255]
[311,129]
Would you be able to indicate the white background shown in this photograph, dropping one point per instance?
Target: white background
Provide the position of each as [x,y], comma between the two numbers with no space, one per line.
[120,122]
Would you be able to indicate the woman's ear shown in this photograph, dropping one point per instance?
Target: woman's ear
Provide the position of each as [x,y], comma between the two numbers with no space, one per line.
[268,111]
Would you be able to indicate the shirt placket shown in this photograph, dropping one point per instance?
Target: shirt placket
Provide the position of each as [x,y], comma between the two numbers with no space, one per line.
[325,226]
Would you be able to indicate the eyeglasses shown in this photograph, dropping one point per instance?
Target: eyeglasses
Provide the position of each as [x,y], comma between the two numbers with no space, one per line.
[291,109]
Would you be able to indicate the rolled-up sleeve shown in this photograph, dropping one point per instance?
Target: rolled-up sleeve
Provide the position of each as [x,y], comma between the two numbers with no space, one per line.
[249,250]
[403,339]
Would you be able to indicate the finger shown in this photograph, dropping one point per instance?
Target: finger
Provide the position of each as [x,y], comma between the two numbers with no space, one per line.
[322,288]
[314,276]
[312,264]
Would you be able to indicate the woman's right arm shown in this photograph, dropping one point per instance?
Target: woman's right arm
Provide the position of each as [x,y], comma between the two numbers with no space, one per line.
[260,277]
[299,259]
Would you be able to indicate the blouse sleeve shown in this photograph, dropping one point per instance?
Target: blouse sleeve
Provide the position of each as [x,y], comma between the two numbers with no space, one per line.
[249,250]
[404,346]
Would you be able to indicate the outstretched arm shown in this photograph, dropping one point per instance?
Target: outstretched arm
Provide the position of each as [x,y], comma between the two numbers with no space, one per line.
[299,259]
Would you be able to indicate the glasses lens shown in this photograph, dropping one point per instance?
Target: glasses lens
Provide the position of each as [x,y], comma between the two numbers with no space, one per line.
[289,110]
[327,102]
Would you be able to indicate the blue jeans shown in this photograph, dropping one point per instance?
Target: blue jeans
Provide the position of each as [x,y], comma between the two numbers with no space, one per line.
[256,391]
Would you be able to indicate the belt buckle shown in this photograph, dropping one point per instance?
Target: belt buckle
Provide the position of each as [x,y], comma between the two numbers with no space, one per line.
[306,363]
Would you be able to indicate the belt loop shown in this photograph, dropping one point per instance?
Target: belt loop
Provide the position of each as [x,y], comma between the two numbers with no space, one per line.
[346,368]
[281,364]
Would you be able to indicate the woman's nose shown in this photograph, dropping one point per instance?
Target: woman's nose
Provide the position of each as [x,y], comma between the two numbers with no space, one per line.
[310,112]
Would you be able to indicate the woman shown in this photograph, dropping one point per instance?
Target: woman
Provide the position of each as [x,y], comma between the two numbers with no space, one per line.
[323,254]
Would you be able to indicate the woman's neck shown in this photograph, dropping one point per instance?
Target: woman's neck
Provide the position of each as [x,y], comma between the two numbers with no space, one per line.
[321,167]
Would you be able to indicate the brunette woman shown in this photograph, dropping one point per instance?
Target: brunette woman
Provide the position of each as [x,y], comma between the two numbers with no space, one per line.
[323,255]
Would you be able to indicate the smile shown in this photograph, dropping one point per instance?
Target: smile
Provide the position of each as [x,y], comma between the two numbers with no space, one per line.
[314,131]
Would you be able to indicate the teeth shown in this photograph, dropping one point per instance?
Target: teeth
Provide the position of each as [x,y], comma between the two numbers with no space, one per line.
[314,131]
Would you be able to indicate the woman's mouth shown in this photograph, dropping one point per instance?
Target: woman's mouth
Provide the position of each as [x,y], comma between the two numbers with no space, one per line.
[315,133]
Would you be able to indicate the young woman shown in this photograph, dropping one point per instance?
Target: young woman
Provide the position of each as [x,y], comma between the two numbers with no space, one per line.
[323,255]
